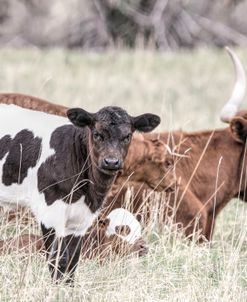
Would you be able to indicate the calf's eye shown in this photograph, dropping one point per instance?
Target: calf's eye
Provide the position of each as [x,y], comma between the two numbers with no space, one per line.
[168,163]
[126,139]
[97,137]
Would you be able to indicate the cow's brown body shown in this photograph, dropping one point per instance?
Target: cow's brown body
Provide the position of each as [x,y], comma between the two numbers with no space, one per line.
[207,178]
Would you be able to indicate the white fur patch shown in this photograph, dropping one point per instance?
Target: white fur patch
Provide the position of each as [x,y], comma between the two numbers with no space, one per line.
[65,218]
[120,217]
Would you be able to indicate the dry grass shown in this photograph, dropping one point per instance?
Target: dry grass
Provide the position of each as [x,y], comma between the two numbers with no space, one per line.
[187,90]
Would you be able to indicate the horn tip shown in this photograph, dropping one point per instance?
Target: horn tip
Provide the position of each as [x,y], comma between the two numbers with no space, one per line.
[230,51]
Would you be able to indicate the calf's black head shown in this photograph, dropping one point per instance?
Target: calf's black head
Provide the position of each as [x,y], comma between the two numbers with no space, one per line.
[111,131]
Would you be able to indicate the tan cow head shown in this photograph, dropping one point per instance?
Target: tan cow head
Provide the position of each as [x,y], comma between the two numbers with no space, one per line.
[157,170]
[149,162]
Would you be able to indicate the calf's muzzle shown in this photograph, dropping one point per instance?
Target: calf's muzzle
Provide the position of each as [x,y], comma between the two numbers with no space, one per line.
[111,163]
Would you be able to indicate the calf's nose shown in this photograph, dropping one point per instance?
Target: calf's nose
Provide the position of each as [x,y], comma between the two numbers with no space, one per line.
[112,163]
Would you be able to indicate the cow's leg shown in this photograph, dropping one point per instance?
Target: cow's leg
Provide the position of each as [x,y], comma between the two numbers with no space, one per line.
[56,253]
[51,246]
[192,214]
[73,245]
[62,253]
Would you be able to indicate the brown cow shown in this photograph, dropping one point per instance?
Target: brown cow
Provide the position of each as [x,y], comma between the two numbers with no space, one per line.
[208,167]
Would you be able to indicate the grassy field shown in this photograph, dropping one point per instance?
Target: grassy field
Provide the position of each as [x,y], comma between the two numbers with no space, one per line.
[187,90]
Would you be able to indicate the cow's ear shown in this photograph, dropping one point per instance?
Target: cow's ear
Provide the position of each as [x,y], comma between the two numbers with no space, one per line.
[238,127]
[122,230]
[146,122]
[80,117]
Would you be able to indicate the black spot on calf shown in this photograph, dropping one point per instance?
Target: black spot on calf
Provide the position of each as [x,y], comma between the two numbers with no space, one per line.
[23,153]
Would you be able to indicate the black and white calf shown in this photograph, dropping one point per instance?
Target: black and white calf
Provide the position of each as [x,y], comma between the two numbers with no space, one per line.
[63,171]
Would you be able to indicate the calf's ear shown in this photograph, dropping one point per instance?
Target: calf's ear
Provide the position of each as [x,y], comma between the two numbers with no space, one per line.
[80,117]
[146,122]
[238,127]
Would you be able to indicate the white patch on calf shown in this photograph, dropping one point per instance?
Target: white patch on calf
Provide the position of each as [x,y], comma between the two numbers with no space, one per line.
[66,219]
[120,217]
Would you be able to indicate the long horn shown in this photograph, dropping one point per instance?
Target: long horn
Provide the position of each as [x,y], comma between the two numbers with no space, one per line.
[237,97]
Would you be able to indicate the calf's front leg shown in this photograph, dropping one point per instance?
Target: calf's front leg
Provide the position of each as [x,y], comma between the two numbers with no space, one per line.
[62,253]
